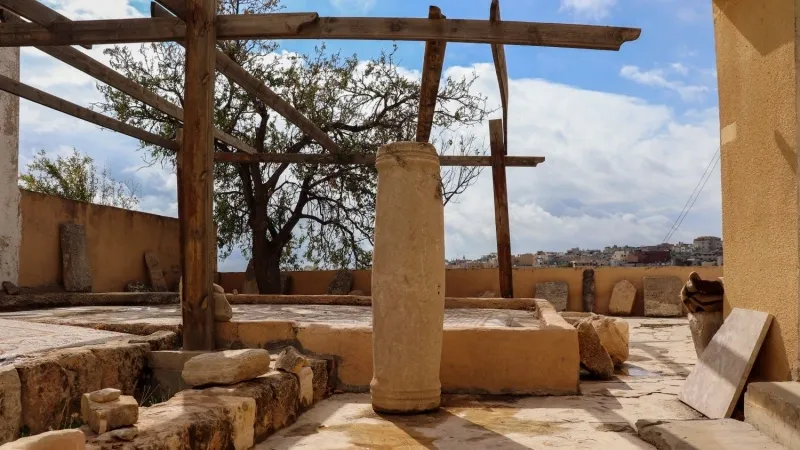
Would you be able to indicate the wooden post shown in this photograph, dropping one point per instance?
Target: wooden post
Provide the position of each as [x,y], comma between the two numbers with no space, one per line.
[501,208]
[197,176]
[499,56]
[431,77]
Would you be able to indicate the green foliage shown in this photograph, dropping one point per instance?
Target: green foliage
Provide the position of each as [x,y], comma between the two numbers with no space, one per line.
[75,177]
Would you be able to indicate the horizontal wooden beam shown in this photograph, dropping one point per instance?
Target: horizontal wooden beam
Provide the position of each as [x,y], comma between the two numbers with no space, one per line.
[311,26]
[365,160]
[36,12]
[253,86]
[43,98]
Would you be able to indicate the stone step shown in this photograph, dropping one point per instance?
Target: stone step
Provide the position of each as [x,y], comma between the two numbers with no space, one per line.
[774,409]
[717,434]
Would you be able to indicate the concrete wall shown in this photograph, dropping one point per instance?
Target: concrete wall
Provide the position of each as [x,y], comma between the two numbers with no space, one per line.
[10,232]
[758,116]
[474,282]
[116,238]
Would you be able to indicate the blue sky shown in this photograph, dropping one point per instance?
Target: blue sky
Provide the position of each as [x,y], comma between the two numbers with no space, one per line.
[627,135]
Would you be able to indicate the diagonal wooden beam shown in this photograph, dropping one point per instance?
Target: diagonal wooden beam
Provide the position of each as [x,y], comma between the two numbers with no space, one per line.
[43,98]
[90,66]
[431,76]
[499,56]
[501,208]
[310,26]
[36,12]
[252,85]
[366,160]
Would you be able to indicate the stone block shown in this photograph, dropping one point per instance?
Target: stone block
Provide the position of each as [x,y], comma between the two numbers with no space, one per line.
[102,417]
[286,388]
[171,359]
[594,356]
[10,404]
[154,271]
[217,288]
[223,312]
[587,291]
[774,410]
[44,393]
[104,395]
[124,434]
[84,374]
[77,271]
[614,335]
[52,440]
[704,325]
[725,434]
[715,384]
[226,367]
[305,378]
[321,377]
[623,297]
[160,340]
[290,360]
[121,364]
[342,283]
[555,292]
[662,297]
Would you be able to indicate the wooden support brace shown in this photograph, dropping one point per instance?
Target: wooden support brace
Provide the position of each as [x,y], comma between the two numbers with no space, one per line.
[365,160]
[36,12]
[499,56]
[431,77]
[501,209]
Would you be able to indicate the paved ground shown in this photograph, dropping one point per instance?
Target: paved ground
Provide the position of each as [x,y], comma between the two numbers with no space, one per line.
[334,314]
[662,355]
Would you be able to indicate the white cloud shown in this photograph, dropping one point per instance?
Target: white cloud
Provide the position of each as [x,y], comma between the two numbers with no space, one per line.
[590,9]
[93,9]
[659,78]
[360,6]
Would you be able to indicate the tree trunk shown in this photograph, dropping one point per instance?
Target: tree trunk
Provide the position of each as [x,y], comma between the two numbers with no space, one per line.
[266,262]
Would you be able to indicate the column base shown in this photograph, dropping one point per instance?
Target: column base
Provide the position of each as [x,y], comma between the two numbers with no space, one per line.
[407,402]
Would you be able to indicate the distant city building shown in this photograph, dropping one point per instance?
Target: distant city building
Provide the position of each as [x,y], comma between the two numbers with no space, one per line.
[707,244]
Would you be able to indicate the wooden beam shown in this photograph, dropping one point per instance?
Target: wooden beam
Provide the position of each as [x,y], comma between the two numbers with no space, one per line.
[501,208]
[88,65]
[310,26]
[499,56]
[254,86]
[43,98]
[431,76]
[366,160]
[36,12]
[197,177]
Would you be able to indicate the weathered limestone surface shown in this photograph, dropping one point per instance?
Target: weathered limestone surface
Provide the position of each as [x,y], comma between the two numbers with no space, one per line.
[121,364]
[305,378]
[222,308]
[408,276]
[10,404]
[84,374]
[107,416]
[622,299]
[75,258]
[124,434]
[160,340]
[52,440]
[614,336]
[155,272]
[715,384]
[555,292]
[45,393]
[662,296]
[342,283]
[587,291]
[704,326]
[774,410]
[290,360]
[226,367]
[724,434]
[593,356]
[217,288]
[322,376]
[103,395]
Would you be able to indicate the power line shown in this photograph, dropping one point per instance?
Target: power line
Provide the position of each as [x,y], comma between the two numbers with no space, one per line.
[698,189]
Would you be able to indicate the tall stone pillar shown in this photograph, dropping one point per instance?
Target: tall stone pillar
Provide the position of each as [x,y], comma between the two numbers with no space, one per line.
[10,223]
[407,280]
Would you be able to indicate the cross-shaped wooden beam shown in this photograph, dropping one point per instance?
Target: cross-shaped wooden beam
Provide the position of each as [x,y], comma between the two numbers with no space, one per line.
[36,12]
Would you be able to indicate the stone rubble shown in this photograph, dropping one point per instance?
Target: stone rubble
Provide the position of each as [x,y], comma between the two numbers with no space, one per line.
[594,357]
[103,395]
[226,367]
[102,417]
[290,360]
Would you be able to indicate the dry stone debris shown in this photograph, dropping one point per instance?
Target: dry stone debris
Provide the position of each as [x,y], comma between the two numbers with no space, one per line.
[342,283]
[106,416]
[555,292]
[622,298]
[662,297]
[226,367]
[290,360]
[594,357]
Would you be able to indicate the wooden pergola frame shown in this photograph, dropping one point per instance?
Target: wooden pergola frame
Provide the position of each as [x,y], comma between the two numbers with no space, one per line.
[196,25]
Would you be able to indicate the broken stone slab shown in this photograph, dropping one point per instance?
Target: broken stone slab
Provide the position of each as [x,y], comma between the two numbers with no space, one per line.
[555,292]
[716,383]
[614,336]
[77,272]
[154,271]
[11,288]
[342,283]
[159,340]
[223,312]
[723,434]
[594,357]
[662,297]
[704,325]
[226,367]
[774,409]
[103,396]
[102,417]
[290,360]
[10,404]
[587,291]
[51,440]
[623,297]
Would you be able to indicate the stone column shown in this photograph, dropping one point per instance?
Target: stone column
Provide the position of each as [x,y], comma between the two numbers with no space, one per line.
[10,221]
[407,280]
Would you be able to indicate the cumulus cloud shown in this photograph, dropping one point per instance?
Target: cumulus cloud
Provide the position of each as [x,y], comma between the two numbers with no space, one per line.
[361,6]
[660,78]
[590,9]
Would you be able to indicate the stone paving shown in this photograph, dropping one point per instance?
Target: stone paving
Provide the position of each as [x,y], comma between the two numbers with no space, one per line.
[662,355]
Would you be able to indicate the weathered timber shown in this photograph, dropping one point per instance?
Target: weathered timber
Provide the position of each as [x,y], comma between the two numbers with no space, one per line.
[310,26]
[499,56]
[254,86]
[59,104]
[197,177]
[96,69]
[365,160]
[431,76]
[36,12]
[501,208]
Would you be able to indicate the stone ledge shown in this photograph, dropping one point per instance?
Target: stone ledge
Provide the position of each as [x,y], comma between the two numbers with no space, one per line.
[721,434]
[774,409]
[25,302]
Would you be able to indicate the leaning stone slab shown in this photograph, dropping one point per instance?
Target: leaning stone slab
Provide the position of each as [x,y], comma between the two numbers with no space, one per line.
[662,297]
[587,290]
[724,434]
[614,335]
[226,367]
[774,410]
[342,283]
[77,271]
[10,404]
[120,413]
[622,299]
[714,386]
[53,440]
[223,312]
[155,272]
[555,292]
[593,356]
